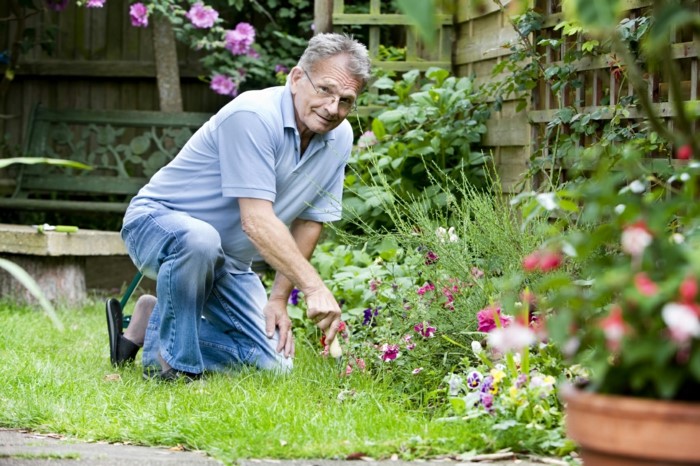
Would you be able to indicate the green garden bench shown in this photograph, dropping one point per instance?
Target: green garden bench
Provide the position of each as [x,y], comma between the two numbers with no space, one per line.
[124,148]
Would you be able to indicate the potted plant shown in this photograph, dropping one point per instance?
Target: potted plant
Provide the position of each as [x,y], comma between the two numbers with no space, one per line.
[625,303]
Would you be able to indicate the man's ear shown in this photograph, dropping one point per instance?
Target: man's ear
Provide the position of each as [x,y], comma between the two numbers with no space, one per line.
[294,76]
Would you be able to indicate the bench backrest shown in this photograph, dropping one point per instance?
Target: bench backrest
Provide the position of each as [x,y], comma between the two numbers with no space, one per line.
[123,147]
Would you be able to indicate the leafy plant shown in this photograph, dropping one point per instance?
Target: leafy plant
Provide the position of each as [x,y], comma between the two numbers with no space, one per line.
[433,125]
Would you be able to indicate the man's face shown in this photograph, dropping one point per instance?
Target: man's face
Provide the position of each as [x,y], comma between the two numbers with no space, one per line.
[323,96]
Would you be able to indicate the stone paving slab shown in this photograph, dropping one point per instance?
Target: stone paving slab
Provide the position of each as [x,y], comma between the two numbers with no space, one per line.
[22,448]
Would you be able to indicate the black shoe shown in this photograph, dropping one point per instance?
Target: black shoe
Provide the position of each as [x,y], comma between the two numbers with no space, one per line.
[171,375]
[121,350]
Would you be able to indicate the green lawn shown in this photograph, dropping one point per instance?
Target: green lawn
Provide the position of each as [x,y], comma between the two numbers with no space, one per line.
[63,382]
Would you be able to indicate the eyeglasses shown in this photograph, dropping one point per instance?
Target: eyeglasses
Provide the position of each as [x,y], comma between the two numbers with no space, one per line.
[345,104]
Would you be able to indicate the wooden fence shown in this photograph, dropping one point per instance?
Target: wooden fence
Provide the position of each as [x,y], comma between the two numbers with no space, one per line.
[108,64]
[100,61]
[482,38]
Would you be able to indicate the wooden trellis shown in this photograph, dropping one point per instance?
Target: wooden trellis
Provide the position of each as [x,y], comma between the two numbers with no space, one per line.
[602,87]
[377,20]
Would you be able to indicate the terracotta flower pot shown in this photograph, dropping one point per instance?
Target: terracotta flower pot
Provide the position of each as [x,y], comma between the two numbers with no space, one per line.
[626,431]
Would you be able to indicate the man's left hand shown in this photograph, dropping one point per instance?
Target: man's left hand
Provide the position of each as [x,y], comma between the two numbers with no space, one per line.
[276,316]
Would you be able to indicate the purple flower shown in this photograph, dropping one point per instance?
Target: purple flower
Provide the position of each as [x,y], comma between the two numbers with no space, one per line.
[95,3]
[369,315]
[425,329]
[223,85]
[294,297]
[390,352]
[139,15]
[281,69]
[474,379]
[57,5]
[252,53]
[239,40]
[431,258]
[201,16]
[487,319]
[487,401]
[487,386]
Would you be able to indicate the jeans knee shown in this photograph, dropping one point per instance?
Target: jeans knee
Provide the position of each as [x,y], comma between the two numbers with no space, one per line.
[203,244]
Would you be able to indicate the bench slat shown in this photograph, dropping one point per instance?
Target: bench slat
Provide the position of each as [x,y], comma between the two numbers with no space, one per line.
[83,184]
[72,206]
[136,118]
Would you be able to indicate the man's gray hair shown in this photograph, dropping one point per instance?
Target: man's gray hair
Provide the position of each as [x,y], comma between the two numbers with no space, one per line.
[327,45]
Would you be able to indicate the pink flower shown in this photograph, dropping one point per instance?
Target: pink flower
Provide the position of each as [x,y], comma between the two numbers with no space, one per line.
[223,85]
[239,40]
[202,17]
[425,288]
[614,328]
[431,258]
[367,139]
[512,338]
[645,285]
[95,3]
[348,370]
[139,15]
[390,352]
[360,363]
[477,273]
[487,319]
[542,261]
[635,239]
[684,152]
[374,284]
[550,260]
[688,289]
[425,329]
[682,322]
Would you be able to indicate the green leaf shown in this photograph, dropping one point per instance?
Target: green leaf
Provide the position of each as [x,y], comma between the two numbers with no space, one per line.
[596,14]
[38,160]
[422,14]
[33,287]
[378,129]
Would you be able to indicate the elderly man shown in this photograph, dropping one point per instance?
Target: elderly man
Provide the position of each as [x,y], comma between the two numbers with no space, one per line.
[261,176]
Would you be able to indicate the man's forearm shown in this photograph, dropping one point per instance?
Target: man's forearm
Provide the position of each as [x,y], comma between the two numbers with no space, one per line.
[306,234]
[278,247]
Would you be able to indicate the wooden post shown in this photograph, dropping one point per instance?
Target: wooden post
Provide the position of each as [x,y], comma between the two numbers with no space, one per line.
[323,16]
[167,71]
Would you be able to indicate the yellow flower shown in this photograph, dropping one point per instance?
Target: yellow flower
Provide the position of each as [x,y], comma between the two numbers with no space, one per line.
[497,375]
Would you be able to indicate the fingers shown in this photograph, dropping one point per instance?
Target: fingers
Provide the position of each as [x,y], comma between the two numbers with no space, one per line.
[270,324]
[332,329]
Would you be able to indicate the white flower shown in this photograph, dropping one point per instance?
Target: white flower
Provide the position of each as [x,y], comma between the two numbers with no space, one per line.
[620,208]
[547,200]
[477,349]
[685,177]
[512,338]
[636,187]
[682,321]
[635,240]
[677,238]
[448,234]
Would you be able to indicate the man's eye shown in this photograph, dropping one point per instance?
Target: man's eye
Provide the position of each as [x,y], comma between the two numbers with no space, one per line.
[324,90]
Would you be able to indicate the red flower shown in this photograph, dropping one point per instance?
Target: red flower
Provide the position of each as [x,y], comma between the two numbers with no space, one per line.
[614,327]
[684,152]
[688,289]
[542,261]
[645,285]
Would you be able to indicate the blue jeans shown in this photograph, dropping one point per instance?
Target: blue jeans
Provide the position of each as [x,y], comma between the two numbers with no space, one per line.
[209,315]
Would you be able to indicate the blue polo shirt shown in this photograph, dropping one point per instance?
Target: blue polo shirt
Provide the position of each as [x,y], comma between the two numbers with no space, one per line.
[251,148]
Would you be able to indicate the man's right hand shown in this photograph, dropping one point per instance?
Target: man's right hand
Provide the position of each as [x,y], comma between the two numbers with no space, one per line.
[324,311]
